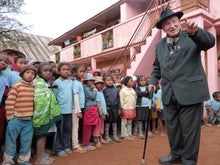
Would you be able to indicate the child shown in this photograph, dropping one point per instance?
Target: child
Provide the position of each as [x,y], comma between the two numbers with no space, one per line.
[113,103]
[53,77]
[19,112]
[213,107]
[4,61]
[64,95]
[160,112]
[95,73]
[46,111]
[118,86]
[115,78]
[17,64]
[99,83]
[78,104]
[119,77]
[88,69]
[143,103]
[35,63]
[90,112]
[11,54]
[53,64]
[128,105]
[116,71]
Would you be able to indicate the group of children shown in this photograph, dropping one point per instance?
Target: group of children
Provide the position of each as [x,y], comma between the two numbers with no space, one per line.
[45,99]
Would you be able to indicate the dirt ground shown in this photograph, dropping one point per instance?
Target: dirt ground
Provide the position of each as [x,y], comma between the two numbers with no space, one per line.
[130,152]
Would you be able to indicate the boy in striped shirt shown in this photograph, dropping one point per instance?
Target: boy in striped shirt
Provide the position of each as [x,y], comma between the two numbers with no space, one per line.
[19,112]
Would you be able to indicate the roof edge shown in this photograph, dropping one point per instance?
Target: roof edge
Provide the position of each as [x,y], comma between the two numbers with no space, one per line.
[90,19]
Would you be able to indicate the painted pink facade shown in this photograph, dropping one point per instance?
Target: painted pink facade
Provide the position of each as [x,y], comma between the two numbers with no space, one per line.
[130,14]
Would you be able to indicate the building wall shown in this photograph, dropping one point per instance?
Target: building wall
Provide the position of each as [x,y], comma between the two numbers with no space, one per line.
[129,10]
[66,55]
[105,64]
[215,8]
[218,54]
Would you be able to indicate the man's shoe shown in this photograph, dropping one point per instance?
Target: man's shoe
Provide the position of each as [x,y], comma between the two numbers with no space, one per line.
[170,160]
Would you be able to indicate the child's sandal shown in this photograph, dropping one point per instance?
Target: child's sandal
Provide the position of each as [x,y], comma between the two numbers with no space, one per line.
[103,141]
[98,145]
[43,161]
[79,150]
[141,136]
[108,140]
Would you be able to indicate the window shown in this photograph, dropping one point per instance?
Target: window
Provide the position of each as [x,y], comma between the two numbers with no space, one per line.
[107,39]
[77,51]
[57,56]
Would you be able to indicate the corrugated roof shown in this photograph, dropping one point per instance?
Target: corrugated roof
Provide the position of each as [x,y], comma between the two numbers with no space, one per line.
[34,47]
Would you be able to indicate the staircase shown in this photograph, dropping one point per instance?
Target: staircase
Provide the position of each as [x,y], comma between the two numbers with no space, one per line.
[138,55]
[146,56]
[143,34]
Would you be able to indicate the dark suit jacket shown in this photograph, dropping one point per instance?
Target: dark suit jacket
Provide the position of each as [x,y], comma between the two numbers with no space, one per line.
[182,72]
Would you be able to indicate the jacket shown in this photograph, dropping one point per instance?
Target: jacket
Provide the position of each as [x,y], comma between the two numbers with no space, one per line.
[182,72]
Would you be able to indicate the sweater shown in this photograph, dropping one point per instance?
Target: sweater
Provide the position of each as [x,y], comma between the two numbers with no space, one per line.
[90,97]
[141,95]
[128,98]
[20,101]
[112,97]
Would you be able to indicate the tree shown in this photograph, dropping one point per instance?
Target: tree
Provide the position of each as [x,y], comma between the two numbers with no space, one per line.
[10,27]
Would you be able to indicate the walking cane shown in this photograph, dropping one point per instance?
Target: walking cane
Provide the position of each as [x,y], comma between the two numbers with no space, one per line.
[145,143]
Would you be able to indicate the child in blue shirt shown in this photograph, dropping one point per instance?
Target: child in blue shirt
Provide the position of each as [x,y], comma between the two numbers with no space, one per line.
[17,64]
[64,96]
[212,107]
[142,107]
[78,105]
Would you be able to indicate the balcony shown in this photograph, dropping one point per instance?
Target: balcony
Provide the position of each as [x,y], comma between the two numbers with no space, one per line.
[117,36]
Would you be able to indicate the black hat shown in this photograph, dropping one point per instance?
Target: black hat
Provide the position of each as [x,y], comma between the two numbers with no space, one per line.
[167,13]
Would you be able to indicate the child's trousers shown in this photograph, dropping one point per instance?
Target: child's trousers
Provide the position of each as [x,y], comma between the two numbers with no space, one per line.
[14,128]
[214,118]
[126,125]
[87,132]
[62,138]
[75,129]
[99,129]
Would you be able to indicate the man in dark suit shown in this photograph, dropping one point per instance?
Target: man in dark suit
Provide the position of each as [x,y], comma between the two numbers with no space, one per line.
[184,85]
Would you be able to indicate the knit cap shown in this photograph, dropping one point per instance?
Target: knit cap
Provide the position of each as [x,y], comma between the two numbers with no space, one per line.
[28,67]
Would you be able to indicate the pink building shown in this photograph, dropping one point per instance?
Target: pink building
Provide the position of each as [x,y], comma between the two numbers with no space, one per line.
[124,36]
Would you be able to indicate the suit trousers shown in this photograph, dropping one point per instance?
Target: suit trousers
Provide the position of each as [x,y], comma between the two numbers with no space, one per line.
[183,123]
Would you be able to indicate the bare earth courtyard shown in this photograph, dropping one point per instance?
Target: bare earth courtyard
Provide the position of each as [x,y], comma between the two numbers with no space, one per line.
[130,152]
